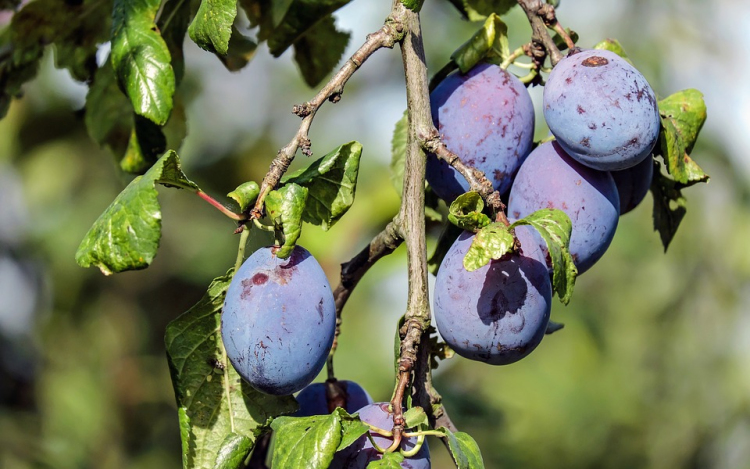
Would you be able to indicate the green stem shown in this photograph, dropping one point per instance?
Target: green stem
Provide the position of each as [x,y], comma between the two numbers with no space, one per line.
[512,58]
[417,447]
[241,250]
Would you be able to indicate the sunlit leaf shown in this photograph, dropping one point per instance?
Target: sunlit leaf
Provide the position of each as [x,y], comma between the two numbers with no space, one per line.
[285,208]
[491,242]
[466,212]
[212,26]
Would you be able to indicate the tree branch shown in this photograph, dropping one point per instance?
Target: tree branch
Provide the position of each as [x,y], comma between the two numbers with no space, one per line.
[541,15]
[387,36]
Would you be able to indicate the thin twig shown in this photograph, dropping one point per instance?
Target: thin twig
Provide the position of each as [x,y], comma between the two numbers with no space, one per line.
[387,36]
[541,14]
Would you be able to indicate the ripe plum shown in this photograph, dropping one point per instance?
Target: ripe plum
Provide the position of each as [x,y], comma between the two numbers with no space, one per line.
[312,400]
[361,452]
[498,313]
[279,320]
[549,178]
[486,117]
[601,110]
[633,184]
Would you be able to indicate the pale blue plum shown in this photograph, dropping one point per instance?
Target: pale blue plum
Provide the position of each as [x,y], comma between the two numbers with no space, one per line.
[361,452]
[549,178]
[486,117]
[312,400]
[497,314]
[602,110]
[279,320]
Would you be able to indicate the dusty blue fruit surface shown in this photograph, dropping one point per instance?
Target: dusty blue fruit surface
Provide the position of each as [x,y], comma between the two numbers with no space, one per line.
[633,184]
[486,117]
[498,313]
[361,452]
[549,178]
[278,320]
[601,110]
[312,400]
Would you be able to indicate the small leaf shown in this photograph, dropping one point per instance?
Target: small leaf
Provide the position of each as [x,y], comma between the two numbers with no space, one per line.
[555,227]
[233,451]
[491,242]
[413,5]
[212,26]
[241,51]
[480,44]
[141,59]
[245,194]
[299,17]
[388,461]
[213,402]
[415,417]
[466,212]
[126,235]
[285,207]
[319,50]
[351,429]
[553,327]
[332,183]
[682,168]
[464,450]
[682,117]
[613,45]
[398,152]
[308,442]
[670,206]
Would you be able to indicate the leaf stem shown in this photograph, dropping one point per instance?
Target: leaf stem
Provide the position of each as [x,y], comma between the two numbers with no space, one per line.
[219,206]
[241,249]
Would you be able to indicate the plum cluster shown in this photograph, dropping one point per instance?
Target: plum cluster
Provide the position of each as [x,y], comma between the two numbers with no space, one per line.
[605,120]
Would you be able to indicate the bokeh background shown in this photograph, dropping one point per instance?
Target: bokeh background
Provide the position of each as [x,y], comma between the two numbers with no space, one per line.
[652,369]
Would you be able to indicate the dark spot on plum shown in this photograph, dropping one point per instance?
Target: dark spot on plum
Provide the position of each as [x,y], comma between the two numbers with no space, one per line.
[585,142]
[592,126]
[259,279]
[499,175]
[320,309]
[595,61]
[580,109]
[516,214]
[569,80]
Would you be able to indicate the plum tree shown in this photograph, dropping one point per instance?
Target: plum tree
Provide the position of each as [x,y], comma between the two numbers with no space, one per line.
[313,401]
[549,178]
[487,117]
[278,320]
[362,452]
[633,184]
[602,110]
[498,313]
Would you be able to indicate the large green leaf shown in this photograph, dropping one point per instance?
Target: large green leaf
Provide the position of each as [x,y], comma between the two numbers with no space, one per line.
[308,442]
[670,206]
[491,37]
[127,234]
[141,59]
[285,207]
[319,50]
[555,227]
[233,451]
[300,16]
[682,117]
[212,26]
[464,450]
[332,183]
[491,242]
[214,404]
[466,212]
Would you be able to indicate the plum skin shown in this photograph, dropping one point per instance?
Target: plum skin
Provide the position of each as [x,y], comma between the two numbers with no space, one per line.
[278,320]
[312,400]
[549,178]
[486,117]
[633,184]
[602,110]
[497,314]
[361,452]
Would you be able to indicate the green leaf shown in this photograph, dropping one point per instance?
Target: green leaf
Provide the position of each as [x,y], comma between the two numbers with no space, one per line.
[478,10]
[285,207]
[319,50]
[126,235]
[332,181]
[245,194]
[682,117]
[147,141]
[398,152]
[464,450]
[173,23]
[212,26]
[141,59]
[85,26]
[388,461]
[466,212]
[481,43]
[233,451]
[555,227]
[415,417]
[670,206]
[613,45]
[308,442]
[351,429]
[213,402]
[260,14]
[241,50]
[560,42]
[300,16]
[491,242]
[9,4]
[413,5]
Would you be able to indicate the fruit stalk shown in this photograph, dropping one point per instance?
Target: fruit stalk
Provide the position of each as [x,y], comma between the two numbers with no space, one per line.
[540,14]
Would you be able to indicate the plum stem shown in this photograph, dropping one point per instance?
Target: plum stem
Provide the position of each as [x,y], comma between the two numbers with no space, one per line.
[540,15]
[241,250]
[387,36]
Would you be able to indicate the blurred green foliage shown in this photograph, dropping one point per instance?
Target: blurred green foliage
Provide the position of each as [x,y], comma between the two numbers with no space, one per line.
[651,369]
